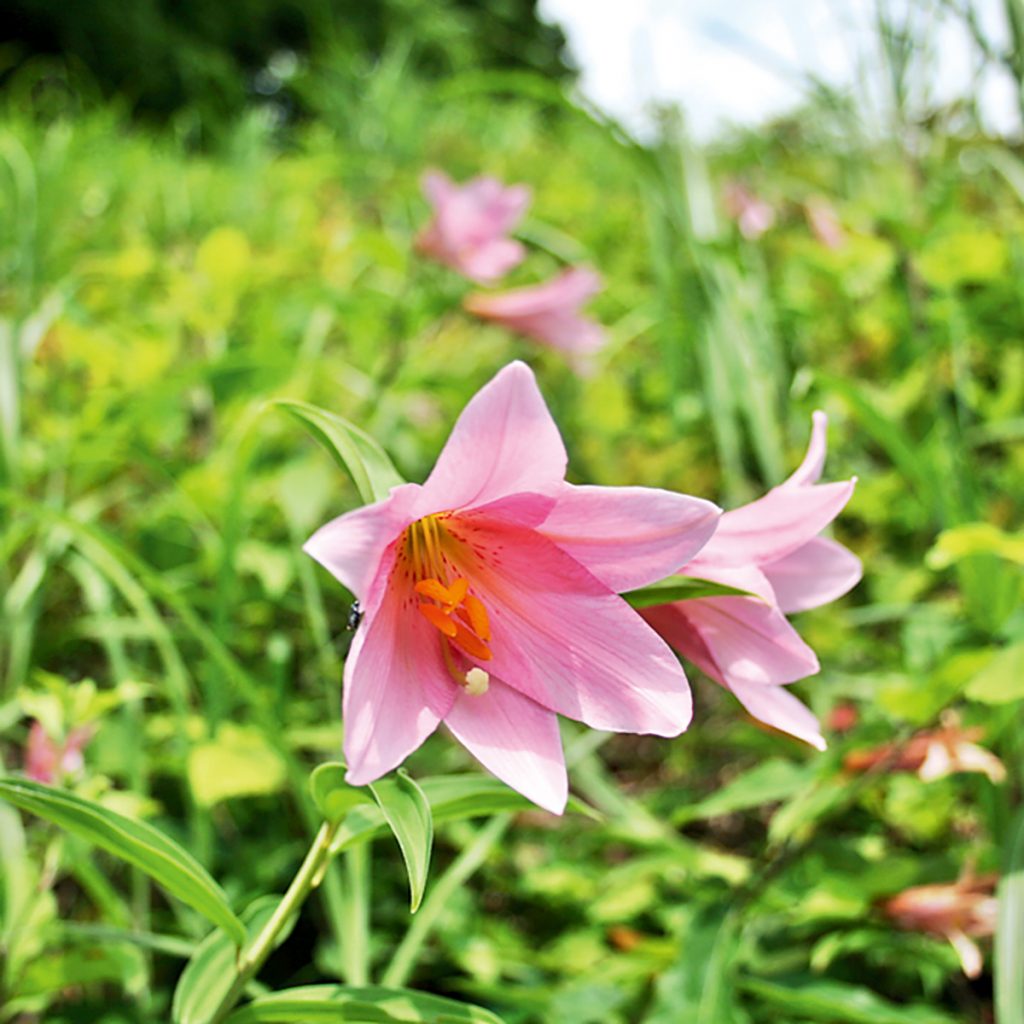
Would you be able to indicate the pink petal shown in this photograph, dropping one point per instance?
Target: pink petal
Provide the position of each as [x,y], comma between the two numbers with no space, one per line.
[505,442]
[570,289]
[397,688]
[813,575]
[629,536]
[562,638]
[777,707]
[809,471]
[437,187]
[751,641]
[492,261]
[774,526]
[741,640]
[42,755]
[351,547]
[516,739]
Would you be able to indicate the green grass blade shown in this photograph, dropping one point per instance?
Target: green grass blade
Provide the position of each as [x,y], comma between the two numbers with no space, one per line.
[136,842]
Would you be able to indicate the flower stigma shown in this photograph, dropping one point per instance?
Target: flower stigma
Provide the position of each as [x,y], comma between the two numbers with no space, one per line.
[445,601]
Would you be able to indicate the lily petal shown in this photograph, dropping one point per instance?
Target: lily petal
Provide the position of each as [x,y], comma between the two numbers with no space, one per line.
[505,442]
[562,638]
[397,687]
[777,707]
[774,526]
[629,536]
[809,471]
[516,739]
[820,571]
[748,641]
[351,547]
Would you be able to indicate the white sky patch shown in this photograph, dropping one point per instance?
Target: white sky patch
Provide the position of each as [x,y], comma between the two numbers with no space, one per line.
[746,60]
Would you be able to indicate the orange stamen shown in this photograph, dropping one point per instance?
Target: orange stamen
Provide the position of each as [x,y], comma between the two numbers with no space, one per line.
[436,591]
[439,617]
[478,620]
[470,643]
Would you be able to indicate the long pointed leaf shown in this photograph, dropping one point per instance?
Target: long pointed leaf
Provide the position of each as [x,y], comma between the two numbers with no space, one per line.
[407,811]
[354,450]
[170,866]
[334,1004]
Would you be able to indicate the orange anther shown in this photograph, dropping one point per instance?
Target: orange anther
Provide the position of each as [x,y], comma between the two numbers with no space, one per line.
[470,642]
[478,619]
[435,590]
[457,591]
[439,617]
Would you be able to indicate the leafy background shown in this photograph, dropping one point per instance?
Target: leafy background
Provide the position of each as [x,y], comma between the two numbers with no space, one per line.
[170,265]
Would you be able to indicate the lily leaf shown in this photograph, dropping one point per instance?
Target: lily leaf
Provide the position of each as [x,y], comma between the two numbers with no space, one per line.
[355,451]
[407,812]
[327,1004]
[681,588]
[168,864]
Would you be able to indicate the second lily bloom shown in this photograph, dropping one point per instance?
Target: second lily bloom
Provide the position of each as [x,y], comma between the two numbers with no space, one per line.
[770,548]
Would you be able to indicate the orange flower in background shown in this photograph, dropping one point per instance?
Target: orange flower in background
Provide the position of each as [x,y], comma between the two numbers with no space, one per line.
[959,912]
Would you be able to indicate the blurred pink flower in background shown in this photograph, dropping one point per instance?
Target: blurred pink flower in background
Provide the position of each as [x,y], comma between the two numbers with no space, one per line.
[753,216]
[769,548]
[824,223]
[959,911]
[470,224]
[48,761]
[933,754]
[491,601]
[548,313]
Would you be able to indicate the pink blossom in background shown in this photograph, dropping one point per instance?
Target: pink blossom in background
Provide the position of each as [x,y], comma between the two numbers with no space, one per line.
[824,223]
[933,754]
[753,216]
[769,548]
[47,761]
[490,599]
[959,912]
[470,225]
[548,313]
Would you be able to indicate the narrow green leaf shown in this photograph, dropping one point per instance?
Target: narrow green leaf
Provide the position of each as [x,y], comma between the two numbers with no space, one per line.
[772,780]
[333,796]
[327,1004]
[680,588]
[1009,950]
[808,998]
[210,972]
[407,811]
[138,843]
[355,451]
[699,987]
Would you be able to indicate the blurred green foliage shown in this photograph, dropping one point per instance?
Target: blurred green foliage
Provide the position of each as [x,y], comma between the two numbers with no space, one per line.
[154,301]
[214,58]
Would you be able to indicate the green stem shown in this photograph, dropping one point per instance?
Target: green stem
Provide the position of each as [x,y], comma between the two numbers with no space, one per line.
[440,896]
[251,959]
[355,925]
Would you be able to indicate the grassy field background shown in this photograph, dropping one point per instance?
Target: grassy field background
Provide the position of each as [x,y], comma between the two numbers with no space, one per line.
[157,295]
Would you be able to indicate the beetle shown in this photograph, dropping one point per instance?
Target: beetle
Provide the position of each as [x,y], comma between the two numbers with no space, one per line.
[355,616]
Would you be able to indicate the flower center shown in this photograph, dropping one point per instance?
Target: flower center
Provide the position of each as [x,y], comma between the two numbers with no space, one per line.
[445,601]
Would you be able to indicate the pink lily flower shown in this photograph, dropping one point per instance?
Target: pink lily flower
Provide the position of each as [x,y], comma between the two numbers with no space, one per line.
[548,313]
[769,548]
[470,224]
[47,761]
[490,601]
[959,912]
